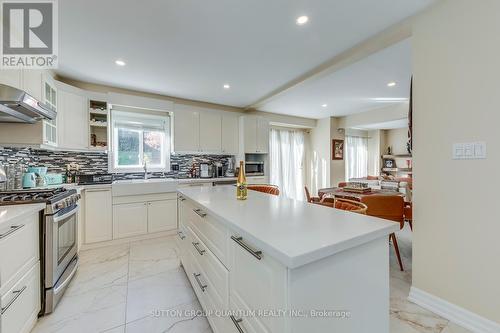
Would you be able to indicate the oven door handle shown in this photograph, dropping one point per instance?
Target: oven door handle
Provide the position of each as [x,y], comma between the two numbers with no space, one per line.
[71,212]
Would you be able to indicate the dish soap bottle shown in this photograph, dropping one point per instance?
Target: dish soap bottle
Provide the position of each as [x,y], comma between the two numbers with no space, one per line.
[241,184]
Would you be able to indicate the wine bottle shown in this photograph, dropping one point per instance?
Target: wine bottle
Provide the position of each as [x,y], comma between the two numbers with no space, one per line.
[241,183]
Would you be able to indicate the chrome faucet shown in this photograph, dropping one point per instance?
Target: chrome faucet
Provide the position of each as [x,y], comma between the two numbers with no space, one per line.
[145,170]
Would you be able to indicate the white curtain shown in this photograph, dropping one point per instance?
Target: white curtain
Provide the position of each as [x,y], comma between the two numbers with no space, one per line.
[287,161]
[356,155]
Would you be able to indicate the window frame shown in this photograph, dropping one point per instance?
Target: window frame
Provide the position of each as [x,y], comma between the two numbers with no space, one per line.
[145,114]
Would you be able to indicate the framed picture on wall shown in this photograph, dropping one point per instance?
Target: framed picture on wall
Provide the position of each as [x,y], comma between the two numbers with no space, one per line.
[337,149]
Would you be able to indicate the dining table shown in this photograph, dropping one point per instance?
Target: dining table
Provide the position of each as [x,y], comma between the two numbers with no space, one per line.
[339,192]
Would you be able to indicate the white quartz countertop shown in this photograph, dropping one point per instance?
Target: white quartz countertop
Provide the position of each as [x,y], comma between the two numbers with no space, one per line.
[293,232]
[8,214]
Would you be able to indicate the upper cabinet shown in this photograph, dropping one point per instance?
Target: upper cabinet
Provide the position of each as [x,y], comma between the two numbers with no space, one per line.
[230,133]
[256,134]
[33,82]
[12,77]
[72,117]
[186,129]
[210,132]
[201,130]
[40,85]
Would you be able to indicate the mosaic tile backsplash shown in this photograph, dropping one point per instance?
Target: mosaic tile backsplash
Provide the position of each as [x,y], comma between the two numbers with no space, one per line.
[96,162]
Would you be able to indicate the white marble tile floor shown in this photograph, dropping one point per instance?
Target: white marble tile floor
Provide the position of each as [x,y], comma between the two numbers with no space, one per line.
[117,289]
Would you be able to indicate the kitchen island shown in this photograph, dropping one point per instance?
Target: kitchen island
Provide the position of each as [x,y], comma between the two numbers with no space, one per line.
[271,264]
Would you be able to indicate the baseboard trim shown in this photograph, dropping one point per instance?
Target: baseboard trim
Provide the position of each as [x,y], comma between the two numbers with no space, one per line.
[452,312]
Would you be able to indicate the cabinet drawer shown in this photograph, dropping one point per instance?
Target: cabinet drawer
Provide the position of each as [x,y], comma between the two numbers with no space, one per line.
[215,275]
[258,282]
[21,304]
[210,231]
[182,242]
[20,240]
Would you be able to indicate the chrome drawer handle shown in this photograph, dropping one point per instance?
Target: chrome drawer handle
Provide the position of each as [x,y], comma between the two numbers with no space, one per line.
[181,235]
[239,241]
[200,251]
[199,212]
[16,293]
[11,230]
[197,278]
[236,323]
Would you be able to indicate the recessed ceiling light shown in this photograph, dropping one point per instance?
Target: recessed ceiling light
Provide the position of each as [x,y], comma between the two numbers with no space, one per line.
[226,86]
[391,84]
[120,62]
[324,105]
[301,20]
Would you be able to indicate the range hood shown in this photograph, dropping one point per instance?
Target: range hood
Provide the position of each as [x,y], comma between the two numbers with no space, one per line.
[17,106]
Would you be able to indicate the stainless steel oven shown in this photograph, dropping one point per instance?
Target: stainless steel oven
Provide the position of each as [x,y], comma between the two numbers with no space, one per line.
[254,168]
[60,251]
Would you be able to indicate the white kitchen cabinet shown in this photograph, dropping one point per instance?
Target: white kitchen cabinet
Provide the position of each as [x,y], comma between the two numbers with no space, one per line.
[257,284]
[72,117]
[20,272]
[11,77]
[262,135]
[210,132]
[230,134]
[256,134]
[98,215]
[162,215]
[21,304]
[33,82]
[186,129]
[130,219]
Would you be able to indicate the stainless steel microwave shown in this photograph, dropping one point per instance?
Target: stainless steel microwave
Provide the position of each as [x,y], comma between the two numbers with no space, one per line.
[254,168]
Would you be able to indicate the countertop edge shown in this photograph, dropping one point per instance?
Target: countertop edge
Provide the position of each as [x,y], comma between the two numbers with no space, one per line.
[24,210]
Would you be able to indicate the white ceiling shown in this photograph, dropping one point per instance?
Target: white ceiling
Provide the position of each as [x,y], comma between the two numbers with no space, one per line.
[190,48]
[352,89]
[393,124]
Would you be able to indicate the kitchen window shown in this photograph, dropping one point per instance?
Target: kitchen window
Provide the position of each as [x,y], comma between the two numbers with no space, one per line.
[140,138]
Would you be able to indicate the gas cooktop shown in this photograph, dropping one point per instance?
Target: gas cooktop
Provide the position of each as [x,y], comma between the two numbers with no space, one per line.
[33,196]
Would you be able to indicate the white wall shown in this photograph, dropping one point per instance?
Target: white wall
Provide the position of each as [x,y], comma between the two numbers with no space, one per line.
[374,152]
[318,156]
[456,248]
[337,167]
[396,139]
[376,116]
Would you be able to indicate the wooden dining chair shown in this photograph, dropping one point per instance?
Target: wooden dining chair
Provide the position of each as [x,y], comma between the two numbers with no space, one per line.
[350,205]
[309,198]
[264,188]
[389,207]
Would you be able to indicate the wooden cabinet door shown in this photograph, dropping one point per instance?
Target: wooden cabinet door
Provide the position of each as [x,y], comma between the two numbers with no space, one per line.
[130,219]
[11,77]
[186,130]
[262,135]
[210,132]
[230,134]
[162,215]
[98,216]
[250,128]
